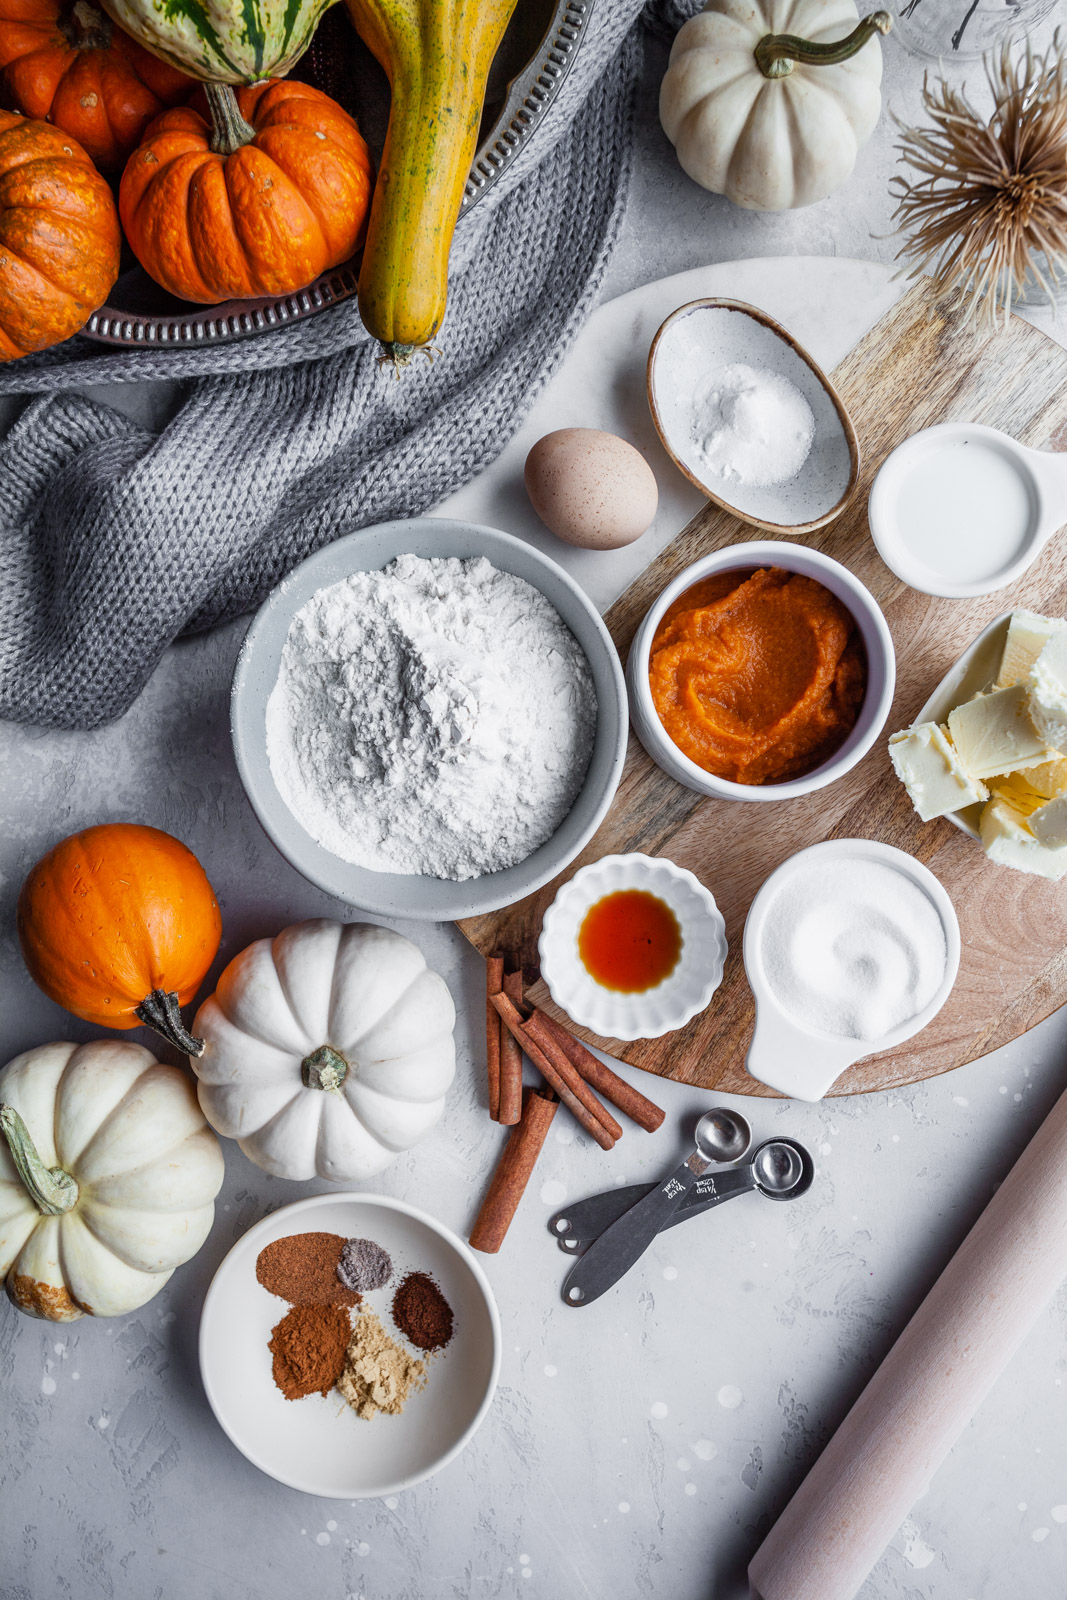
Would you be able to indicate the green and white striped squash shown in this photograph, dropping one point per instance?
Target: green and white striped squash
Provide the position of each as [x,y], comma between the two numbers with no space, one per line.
[222,41]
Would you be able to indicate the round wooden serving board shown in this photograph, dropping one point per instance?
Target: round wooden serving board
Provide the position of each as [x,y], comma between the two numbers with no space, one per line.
[916,367]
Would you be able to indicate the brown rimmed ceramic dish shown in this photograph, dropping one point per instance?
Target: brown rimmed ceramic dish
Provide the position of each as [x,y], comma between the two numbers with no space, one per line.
[705,335]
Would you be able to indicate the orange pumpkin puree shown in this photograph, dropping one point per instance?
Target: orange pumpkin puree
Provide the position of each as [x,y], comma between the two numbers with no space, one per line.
[759,676]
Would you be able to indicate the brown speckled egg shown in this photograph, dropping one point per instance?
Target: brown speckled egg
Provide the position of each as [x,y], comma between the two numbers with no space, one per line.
[591,488]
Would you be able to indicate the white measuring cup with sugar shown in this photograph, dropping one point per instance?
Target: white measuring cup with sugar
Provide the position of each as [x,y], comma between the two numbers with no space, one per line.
[789,1055]
[960,509]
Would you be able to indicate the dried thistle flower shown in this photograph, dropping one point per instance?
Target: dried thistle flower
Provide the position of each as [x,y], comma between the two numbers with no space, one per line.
[989,205]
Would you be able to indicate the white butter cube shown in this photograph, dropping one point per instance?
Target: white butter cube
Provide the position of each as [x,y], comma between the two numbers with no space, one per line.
[995,733]
[1048,692]
[1049,824]
[1019,793]
[1049,779]
[1009,840]
[931,771]
[1028,634]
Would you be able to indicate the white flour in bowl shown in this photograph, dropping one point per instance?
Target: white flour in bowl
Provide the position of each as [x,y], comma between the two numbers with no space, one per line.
[435,717]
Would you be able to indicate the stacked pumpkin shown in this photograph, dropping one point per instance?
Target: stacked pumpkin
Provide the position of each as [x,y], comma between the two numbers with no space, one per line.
[235,183]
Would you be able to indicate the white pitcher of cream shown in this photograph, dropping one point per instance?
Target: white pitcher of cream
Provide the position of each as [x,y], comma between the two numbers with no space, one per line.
[961,509]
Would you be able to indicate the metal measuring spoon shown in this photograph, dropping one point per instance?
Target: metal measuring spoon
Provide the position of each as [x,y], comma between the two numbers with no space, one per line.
[779,1169]
[721,1134]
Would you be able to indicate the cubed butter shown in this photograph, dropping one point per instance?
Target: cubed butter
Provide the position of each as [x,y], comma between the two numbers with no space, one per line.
[1049,824]
[931,771]
[995,733]
[1028,634]
[1049,779]
[1019,793]
[1009,840]
[1048,692]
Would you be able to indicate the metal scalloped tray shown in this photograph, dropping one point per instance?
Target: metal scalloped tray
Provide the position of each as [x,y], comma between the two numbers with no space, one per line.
[527,73]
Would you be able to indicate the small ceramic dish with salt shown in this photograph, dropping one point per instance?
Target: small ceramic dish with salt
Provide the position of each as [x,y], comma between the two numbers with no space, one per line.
[750,418]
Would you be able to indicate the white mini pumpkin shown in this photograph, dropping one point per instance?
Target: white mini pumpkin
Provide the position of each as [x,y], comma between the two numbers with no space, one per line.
[108,1172]
[327,1050]
[762,108]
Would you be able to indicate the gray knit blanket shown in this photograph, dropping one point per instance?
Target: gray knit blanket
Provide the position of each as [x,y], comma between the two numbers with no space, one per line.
[115,540]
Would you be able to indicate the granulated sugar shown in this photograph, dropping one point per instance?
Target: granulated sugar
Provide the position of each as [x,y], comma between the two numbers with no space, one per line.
[435,717]
[853,948]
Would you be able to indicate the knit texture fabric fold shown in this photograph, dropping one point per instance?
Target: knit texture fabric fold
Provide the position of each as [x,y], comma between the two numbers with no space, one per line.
[115,540]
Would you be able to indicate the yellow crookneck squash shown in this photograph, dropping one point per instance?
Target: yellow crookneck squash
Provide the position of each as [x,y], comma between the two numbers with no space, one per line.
[436,54]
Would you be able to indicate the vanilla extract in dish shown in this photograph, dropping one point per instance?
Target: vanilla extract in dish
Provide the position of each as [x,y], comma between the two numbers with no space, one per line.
[629,941]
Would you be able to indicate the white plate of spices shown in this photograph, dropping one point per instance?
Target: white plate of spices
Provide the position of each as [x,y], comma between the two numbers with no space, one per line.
[349,1346]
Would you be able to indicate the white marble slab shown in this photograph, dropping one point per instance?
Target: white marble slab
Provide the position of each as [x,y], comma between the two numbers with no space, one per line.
[828,304]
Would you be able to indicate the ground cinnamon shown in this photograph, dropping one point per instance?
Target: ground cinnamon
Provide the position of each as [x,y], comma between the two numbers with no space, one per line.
[422,1313]
[308,1346]
[513,1170]
[302,1268]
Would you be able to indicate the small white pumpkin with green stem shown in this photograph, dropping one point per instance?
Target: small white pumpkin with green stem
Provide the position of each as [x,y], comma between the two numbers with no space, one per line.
[108,1174]
[769,101]
[327,1050]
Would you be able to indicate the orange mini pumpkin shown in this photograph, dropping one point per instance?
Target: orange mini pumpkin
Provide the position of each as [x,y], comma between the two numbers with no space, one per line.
[119,924]
[59,236]
[272,193]
[69,64]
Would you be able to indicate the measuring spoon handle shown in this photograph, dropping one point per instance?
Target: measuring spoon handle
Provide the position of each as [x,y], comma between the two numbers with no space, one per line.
[574,1227]
[625,1241]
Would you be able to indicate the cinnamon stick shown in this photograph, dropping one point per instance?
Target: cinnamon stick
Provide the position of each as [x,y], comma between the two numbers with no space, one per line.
[577,1104]
[510,1105]
[570,1075]
[513,1170]
[622,1095]
[494,982]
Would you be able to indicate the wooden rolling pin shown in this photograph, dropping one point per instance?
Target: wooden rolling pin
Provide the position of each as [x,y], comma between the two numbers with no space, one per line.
[934,1378]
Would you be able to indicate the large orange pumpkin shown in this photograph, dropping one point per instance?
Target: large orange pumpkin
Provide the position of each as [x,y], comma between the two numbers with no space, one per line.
[261,202]
[59,236]
[119,924]
[69,64]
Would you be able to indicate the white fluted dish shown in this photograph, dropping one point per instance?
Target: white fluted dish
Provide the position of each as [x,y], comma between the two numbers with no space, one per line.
[682,993]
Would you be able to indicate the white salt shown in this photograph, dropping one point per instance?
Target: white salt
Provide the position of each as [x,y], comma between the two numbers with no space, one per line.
[751,426]
[853,948]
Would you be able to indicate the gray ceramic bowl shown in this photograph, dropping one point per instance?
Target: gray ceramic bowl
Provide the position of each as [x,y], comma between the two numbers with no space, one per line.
[399,894]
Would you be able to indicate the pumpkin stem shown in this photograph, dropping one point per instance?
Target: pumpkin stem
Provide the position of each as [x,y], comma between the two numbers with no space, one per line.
[52,1190]
[161,1011]
[324,1068]
[86,27]
[229,130]
[778,53]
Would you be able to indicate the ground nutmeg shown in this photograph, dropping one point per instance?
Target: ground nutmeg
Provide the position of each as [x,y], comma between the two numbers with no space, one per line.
[302,1268]
[422,1313]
